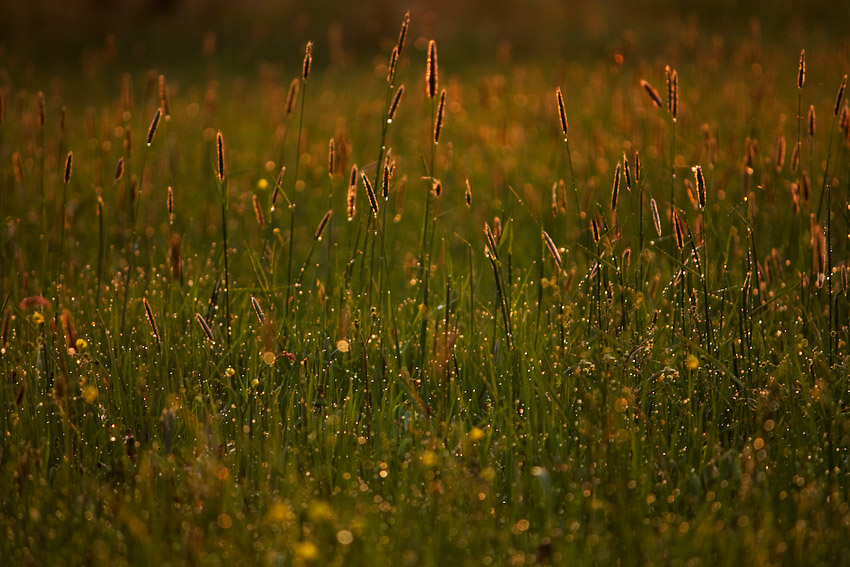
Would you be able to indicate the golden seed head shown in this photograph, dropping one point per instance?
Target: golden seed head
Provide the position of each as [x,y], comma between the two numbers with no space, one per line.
[291,96]
[222,173]
[801,69]
[205,327]
[395,102]
[780,153]
[562,113]
[42,112]
[68,164]
[119,170]
[680,236]
[402,34]
[811,121]
[838,97]
[552,249]
[370,192]
[258,211]
[322,224]
[700,180]
[653,94]
[308,61]
[331,157]
[151,319]
[389,168]
[392,66]
[431,71]
[438,124]
[153,126]
[656,219]
[638,168]
[615,190]
[163,98]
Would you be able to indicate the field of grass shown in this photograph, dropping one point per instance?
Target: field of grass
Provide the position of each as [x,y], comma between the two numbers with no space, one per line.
[563,308]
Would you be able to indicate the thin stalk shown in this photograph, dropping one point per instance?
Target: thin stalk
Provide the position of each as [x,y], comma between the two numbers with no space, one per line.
[292,204]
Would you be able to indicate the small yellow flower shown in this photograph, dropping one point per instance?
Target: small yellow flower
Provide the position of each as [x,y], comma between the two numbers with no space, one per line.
[280,513]
[230,372]
[692,362]
[37,318]
[89,393]
[476,434]
[319,511]
[342,345]
[430,458]
[306,550]
[82,344]
[262,183]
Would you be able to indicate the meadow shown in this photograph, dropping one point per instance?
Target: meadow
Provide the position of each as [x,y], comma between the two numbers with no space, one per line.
[402,300]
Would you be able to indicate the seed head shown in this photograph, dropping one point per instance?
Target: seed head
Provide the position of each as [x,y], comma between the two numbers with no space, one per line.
[656,219]
[291,96]
[653,94]
[562,113]
[119,170]
[680,236]
[370,192]
[322,224]
[391,67]
[552,249]
[838,97]
[402,34]
[308,61]
[151,320]
[780,153]
[811,121]
[615,190]
[68,164]
[394,104]
[438,125]
[431,70]
[205,327]
[258,211]
[219,142]
[154,124]
[163,98]
[700,180]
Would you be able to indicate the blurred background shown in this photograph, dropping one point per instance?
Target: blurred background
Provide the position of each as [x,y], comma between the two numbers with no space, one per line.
[58,33]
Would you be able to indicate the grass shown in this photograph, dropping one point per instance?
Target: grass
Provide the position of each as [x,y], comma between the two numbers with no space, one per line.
[473,367]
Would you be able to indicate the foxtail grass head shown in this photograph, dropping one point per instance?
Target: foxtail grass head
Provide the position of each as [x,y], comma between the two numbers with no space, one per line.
[69,161]
[394,104]
[441,111]
[653,94]
[562,114]
[840,95]
[308,61]
[221,170]
[153,126]
[432,81]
